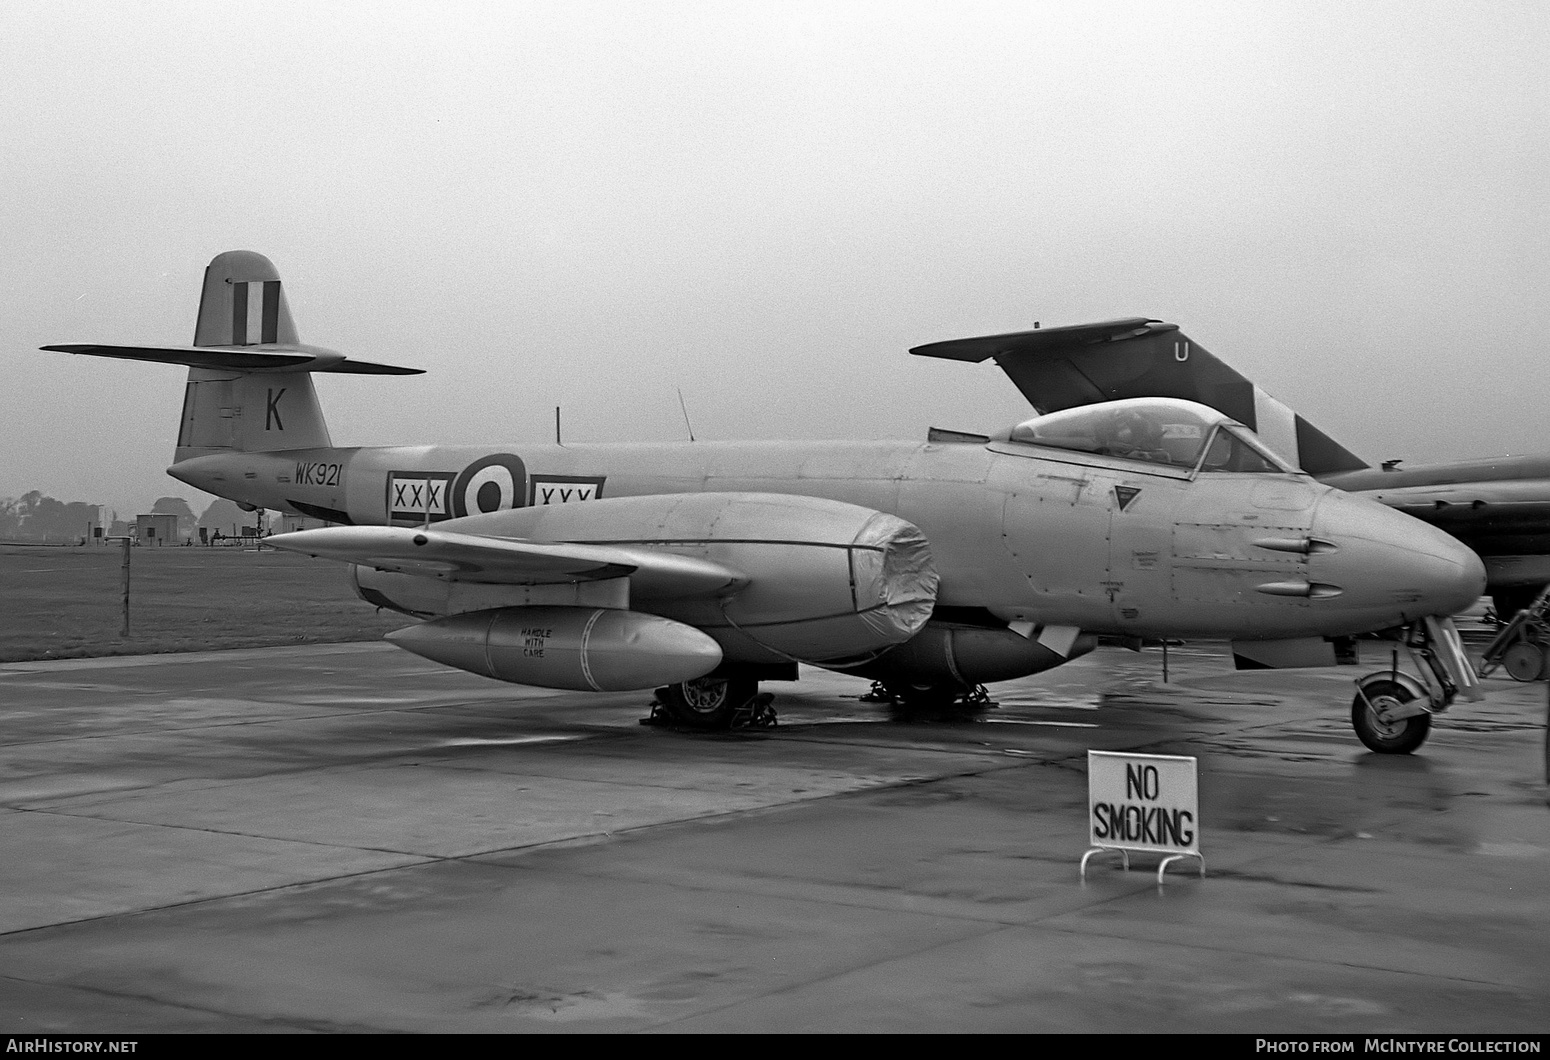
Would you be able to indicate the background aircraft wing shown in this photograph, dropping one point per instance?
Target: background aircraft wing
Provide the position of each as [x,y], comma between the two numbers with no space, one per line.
[1503,497]
[506,561]
[1060,368]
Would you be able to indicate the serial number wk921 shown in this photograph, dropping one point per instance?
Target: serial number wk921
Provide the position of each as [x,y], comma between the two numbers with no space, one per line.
[318,474]
[533,638]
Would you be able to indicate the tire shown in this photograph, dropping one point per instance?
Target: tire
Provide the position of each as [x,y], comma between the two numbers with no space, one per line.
[1394,738]
[708,702]
[1524,661]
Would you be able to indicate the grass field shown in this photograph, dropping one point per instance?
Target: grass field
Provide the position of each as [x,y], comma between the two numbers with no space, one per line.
[62,603]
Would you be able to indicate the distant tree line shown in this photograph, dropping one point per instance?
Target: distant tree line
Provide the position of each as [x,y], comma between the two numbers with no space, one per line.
[34,517]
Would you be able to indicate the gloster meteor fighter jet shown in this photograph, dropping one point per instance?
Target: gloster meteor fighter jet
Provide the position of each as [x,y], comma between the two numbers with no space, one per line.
[931,567]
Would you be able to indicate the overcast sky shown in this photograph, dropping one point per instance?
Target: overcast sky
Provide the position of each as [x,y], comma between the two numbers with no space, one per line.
[765,204]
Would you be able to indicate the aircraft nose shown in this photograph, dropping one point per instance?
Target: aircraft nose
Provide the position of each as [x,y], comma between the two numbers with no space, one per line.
[1389,563]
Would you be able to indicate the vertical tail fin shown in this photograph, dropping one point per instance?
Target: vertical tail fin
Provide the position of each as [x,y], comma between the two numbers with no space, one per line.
[250,377]
[244,305]
[249,413]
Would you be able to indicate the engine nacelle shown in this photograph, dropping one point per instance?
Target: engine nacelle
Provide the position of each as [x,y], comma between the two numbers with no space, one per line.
[586,649]
[950,653]
[826,580]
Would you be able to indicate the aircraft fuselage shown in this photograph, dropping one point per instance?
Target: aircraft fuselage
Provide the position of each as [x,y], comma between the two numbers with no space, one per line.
[1108,546]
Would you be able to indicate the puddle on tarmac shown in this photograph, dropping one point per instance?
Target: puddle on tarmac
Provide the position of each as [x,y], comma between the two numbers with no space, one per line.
[1038,721]
[505,741]
[1512,850]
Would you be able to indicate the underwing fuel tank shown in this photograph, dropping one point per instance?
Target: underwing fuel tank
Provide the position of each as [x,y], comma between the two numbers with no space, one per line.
[583,649]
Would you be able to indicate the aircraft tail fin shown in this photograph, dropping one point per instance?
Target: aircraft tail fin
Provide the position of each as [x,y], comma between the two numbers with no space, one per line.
[1059,368]
[250,376]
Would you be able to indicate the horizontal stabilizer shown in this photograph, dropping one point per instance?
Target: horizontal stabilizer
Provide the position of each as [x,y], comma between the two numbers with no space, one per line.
[504,561]
[268,358]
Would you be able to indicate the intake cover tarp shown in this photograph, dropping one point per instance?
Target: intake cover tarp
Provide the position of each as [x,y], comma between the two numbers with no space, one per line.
[895,578]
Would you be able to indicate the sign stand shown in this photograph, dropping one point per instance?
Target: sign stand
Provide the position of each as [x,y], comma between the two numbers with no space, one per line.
[1143,803]
[1106,850]
[1163,867]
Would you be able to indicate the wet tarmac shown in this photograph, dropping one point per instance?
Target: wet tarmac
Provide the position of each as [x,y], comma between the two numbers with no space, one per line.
[347,838]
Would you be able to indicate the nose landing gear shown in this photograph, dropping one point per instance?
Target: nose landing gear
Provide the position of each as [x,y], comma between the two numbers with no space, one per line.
[1393,708]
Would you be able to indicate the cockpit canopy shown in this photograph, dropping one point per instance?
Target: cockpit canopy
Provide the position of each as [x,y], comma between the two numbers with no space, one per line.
[1169,431]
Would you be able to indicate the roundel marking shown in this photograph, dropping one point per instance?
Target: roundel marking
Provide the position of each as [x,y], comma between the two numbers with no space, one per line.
[489,485]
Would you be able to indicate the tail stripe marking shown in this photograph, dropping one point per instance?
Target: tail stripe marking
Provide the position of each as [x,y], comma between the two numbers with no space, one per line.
[255,311]
[239,314]
[255,321]
[271,321]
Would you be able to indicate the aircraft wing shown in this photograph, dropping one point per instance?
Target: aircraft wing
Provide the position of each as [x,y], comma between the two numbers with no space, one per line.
[1061,368]
[509,561]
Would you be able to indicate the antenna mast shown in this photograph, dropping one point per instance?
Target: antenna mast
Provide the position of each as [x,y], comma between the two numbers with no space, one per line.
[685,407]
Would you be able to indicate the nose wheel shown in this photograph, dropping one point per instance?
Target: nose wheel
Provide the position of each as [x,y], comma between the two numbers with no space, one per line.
[1378,716]
[1393,708]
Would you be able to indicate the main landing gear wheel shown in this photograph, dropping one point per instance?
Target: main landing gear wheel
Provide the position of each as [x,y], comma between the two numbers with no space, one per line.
[708,702]
[1398,737]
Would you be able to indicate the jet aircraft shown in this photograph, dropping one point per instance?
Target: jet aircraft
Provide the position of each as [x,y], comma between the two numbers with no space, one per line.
[931,567]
